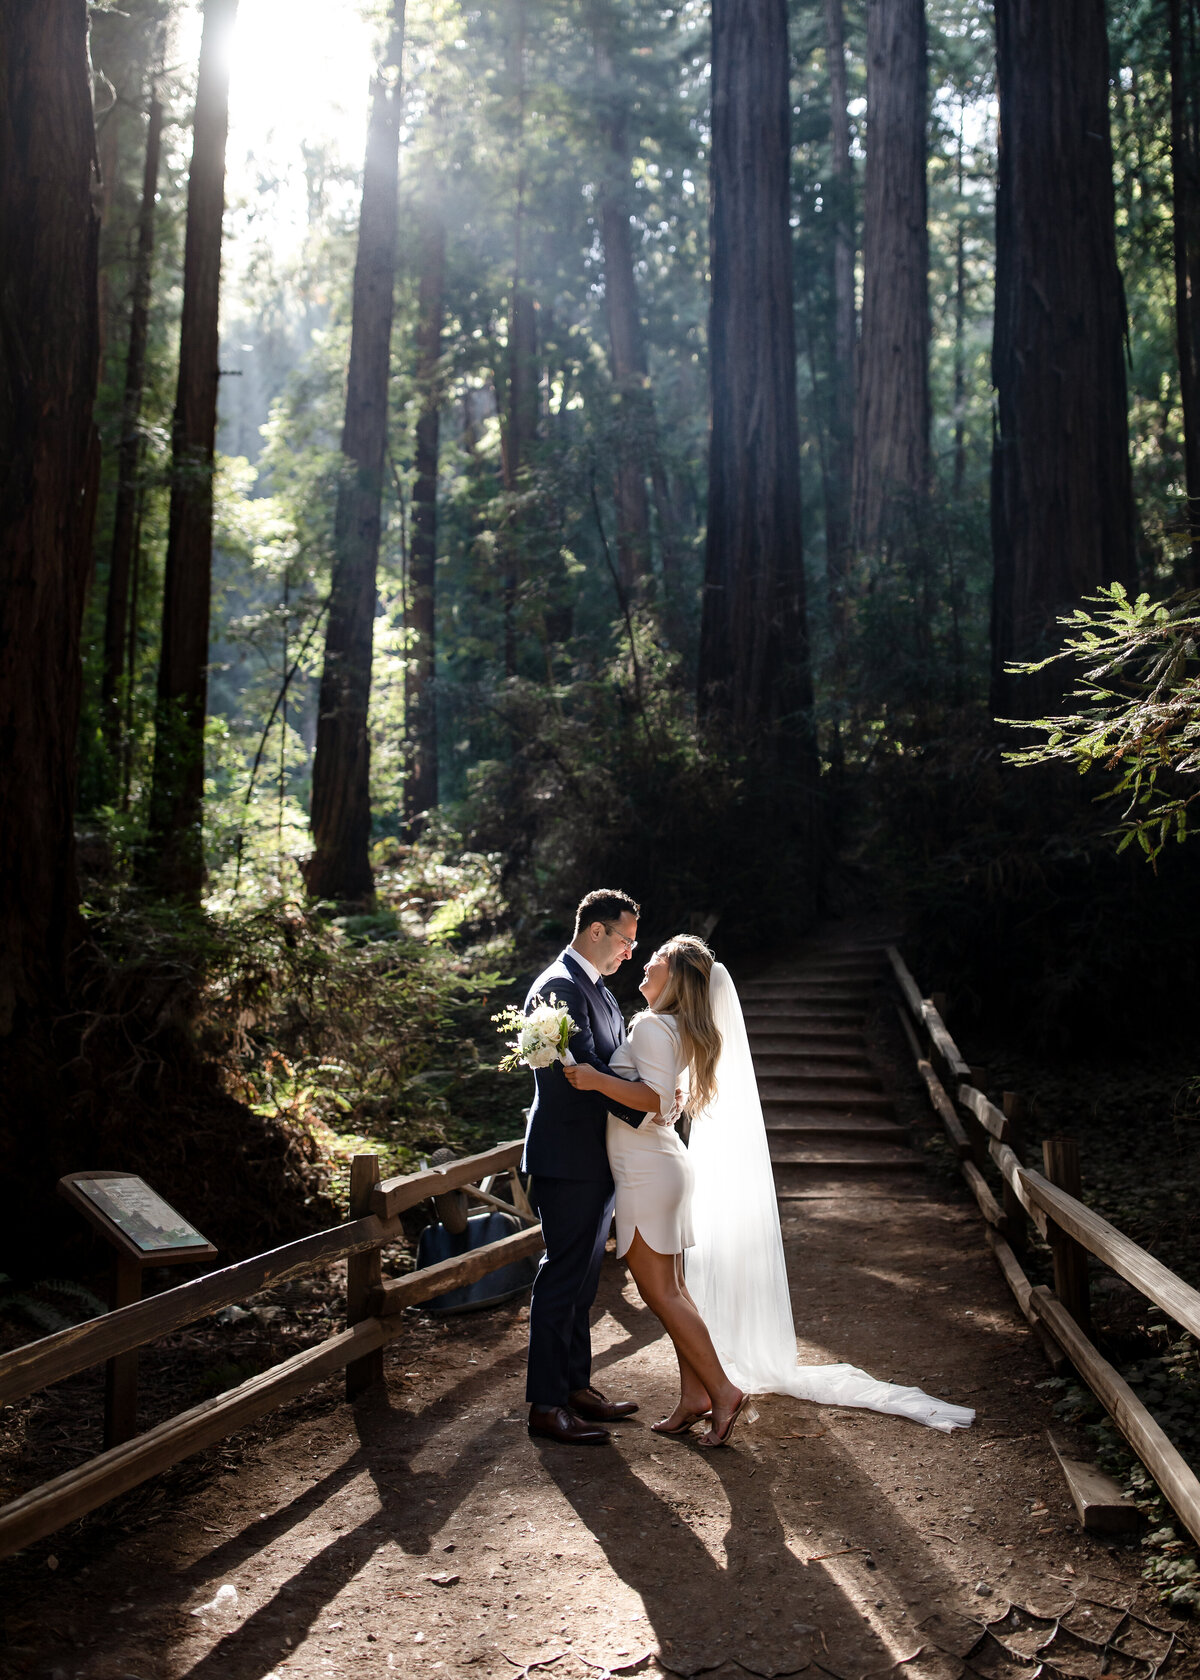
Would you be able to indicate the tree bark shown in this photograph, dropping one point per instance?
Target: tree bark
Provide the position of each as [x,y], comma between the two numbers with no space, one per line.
[627,351]
[175,857]
[1062,504]
[840,462]
[340,866]
[1185,172]
[891,432]
[960,320]
[754,679]
[519,382]
[420,706]
[49,355]
[121,557]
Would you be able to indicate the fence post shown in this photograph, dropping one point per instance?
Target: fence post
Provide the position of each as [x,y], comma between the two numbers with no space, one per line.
[121,1372]
[363,1274]
[1060,1156]
[1014,1137]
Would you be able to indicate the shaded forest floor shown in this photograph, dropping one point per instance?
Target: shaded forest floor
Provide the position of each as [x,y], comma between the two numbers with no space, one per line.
[421,1531]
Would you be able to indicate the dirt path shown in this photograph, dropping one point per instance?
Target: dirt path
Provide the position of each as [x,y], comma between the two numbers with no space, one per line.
[422,1533]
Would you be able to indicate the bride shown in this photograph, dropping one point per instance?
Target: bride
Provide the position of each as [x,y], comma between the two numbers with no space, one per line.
[728,1312]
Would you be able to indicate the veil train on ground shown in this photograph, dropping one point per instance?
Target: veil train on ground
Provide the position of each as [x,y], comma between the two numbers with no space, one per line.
[736,1271]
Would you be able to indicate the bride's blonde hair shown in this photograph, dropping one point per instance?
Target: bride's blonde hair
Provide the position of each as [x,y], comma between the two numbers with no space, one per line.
[685,995]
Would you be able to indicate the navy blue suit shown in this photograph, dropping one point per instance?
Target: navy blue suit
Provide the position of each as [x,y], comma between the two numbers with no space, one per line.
[572,1184]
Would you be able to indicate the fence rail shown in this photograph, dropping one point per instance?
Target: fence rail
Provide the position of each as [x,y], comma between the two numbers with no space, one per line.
[373,1306]
[979,1131]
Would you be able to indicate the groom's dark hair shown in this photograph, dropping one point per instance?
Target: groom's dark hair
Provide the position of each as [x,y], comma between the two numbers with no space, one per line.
[606,904]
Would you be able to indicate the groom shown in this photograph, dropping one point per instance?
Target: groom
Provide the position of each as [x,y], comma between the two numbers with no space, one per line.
[573,1187]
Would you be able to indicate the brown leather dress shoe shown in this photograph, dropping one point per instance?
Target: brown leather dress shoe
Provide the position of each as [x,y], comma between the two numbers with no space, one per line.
[556,1423]
[590,1403]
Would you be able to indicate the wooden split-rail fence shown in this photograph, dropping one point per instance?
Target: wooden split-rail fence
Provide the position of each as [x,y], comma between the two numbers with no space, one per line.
[979,1132]
[373,1306]
[826,1115]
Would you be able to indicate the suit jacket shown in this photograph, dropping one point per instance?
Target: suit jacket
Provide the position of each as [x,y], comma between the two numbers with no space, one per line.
[565,1135]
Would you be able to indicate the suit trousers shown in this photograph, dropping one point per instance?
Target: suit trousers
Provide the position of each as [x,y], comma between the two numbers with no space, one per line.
[576,1214]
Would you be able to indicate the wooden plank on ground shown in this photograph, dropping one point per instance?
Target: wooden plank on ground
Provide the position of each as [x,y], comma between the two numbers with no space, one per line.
[398,1293]
[24,1370]
[1102,1507]
[395,1194]
[1022,1291]
[1117,1250]
[1170,1470]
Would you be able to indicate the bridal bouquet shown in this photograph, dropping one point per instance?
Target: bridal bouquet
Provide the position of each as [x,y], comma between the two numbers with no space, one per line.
[542,1035]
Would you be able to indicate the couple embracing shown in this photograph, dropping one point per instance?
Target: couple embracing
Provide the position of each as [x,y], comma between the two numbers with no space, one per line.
[698,1225]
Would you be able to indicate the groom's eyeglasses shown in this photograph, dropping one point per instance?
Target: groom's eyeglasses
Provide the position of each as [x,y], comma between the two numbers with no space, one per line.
[629,944]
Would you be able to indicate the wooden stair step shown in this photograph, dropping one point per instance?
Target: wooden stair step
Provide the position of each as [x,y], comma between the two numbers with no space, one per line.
[814,1070]
[815,1048]
[822,1092]
[867,1127]
[812,1015]
[804,992]
[809,1184]
[788,1113]
[842,1157]
[805,1030]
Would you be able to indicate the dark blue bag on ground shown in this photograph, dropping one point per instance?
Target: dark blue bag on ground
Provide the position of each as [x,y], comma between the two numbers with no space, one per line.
[436,1243]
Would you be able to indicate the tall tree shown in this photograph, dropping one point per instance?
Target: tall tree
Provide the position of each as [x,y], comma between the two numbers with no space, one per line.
[1062,506]
[840,451]
[754,679]
[420,700]
[519,410]
[340,865]
[49,349]
[891,430]
[121,554]
[175,858]
[627,352]
[1185,170]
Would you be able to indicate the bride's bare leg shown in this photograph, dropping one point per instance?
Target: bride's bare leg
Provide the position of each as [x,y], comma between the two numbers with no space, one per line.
[694,1398]
[660,1284]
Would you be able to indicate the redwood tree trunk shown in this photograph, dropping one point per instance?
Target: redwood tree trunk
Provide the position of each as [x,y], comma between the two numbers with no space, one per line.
[519,382]
[175,859]
[1185,170]
[841,428]
[340,866]
[121,558]
[421,782]
[754,680]
[627,351]
[1062,505]
[891,432]
[49,349]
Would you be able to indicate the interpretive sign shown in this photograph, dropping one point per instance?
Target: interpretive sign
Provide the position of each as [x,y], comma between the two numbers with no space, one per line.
[143,1230]
[135,1218]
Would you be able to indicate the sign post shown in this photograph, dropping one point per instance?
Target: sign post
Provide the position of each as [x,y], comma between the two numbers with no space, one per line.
[143,1230]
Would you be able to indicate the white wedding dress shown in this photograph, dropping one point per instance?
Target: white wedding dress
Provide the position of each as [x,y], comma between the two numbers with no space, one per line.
[650,1163]
[735,1264]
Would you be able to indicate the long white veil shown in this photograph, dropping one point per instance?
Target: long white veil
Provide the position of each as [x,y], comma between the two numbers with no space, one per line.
[736,1271]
